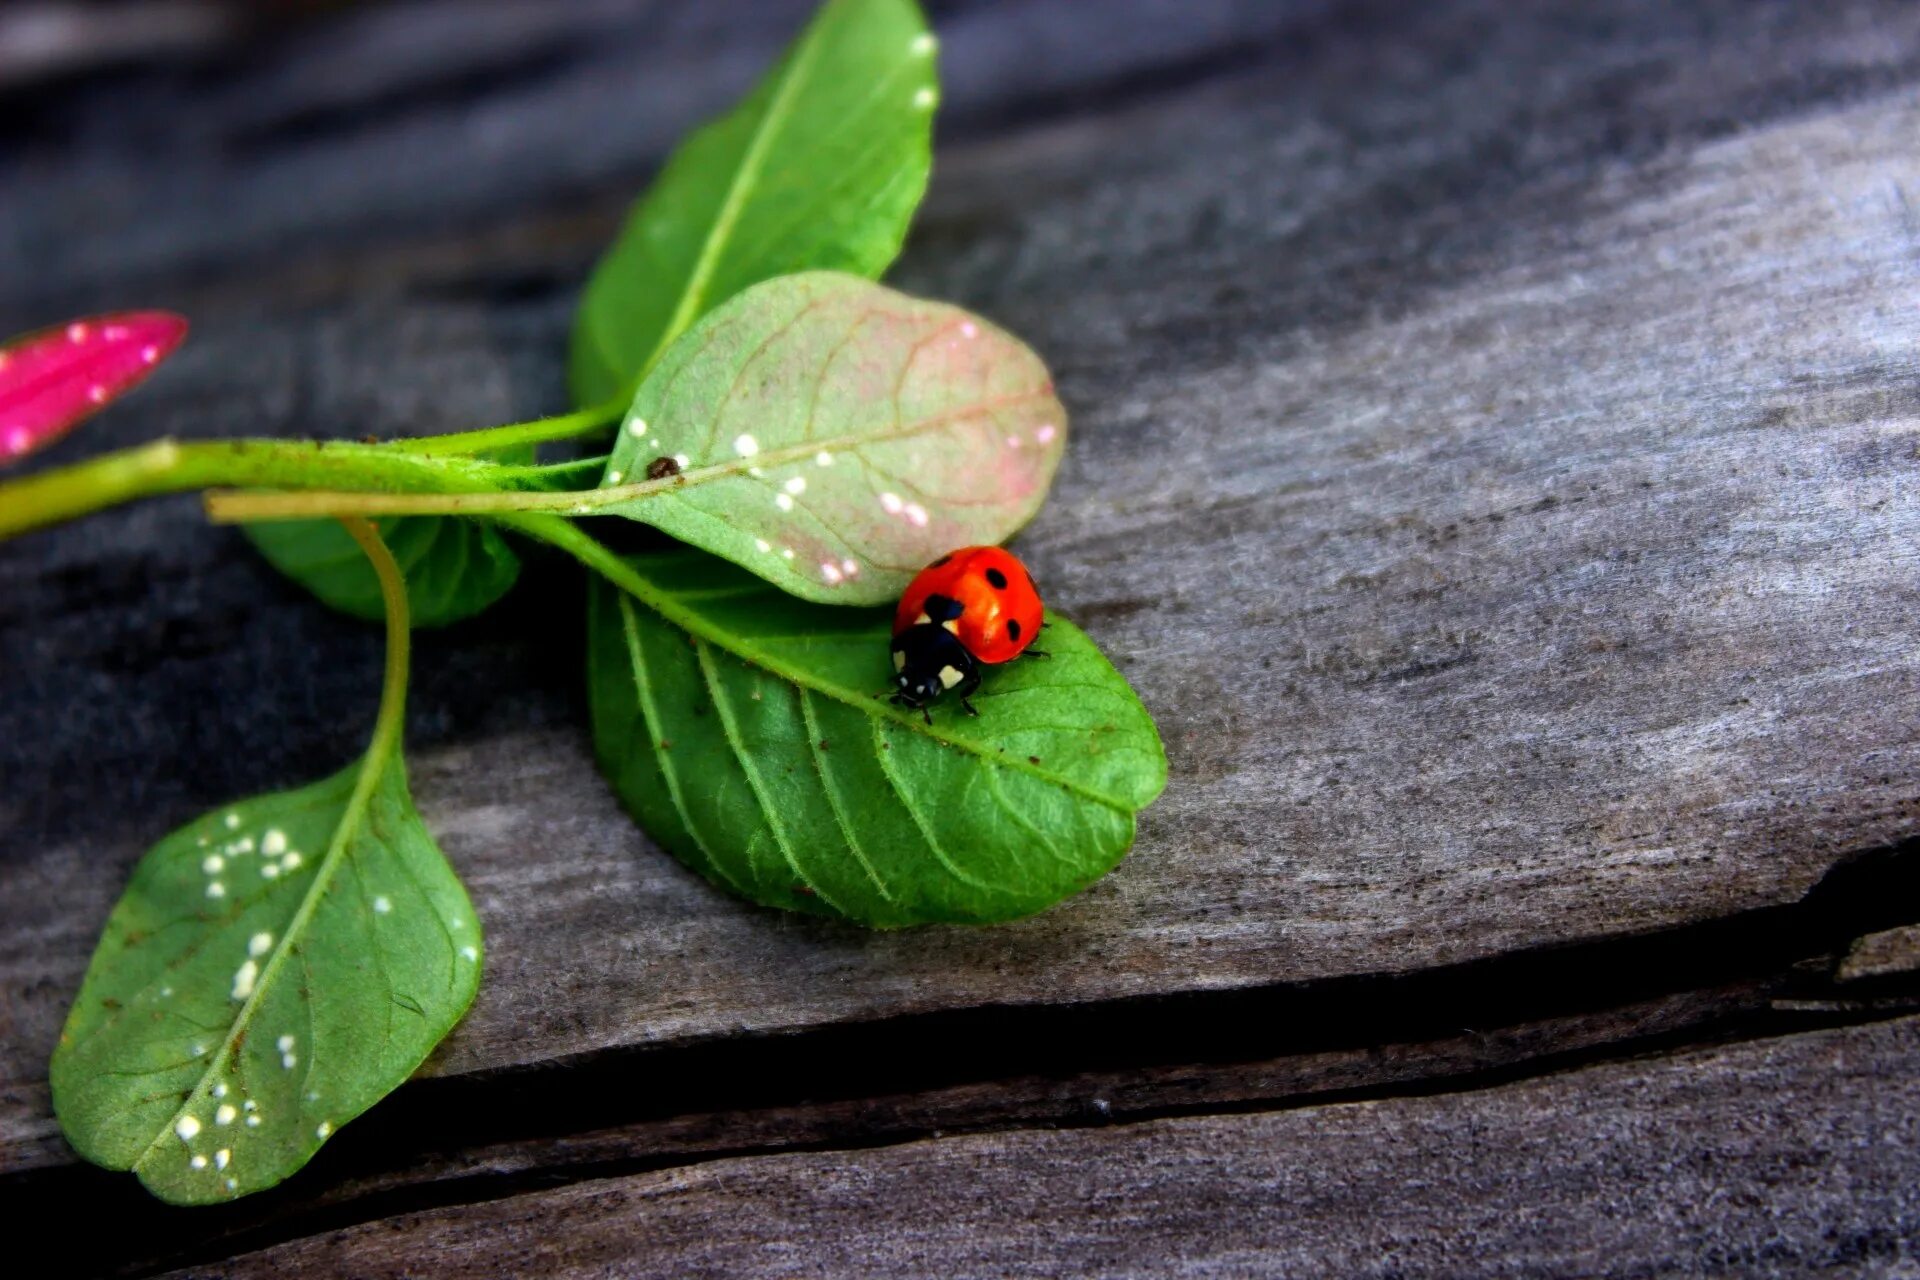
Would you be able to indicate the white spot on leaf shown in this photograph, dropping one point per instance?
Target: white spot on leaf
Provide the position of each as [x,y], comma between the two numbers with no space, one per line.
[269,869]
[925,98]
[382,904]
[850,567]
[213,864]
[274,843]
[797,485]
[226,1113]
[784,501]
[680,460]
[762,544]
[890,503]
[823,459]
[291,861]
[968,329]
[233,821]
[916,515]
[284,1043]
[187,1127]
[787,552]
[222,1157]
[259,944]
[637,428]
[216,890]
[198,1162]
[745,445]
[324,1128]
[253,1122]
[1045,434]
[243,979]
[469,953]
[830,571]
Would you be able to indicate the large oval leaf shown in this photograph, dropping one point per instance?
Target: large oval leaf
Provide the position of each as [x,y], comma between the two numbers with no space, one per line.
[52,380]
[274,969]
[746,731]
[454,568]
[822,165]
[833,435]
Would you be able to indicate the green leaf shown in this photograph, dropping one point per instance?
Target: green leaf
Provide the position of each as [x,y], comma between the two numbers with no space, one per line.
[821,166]
[747,731]
[454,568]
[273,970]
[833,435]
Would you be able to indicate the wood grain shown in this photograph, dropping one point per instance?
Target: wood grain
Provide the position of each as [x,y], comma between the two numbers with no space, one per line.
[1496,462]
[1788,1158]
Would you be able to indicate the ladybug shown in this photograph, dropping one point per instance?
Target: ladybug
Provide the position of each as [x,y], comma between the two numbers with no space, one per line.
[972,606]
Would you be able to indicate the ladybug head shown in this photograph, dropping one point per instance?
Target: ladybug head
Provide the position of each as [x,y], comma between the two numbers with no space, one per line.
[928,660]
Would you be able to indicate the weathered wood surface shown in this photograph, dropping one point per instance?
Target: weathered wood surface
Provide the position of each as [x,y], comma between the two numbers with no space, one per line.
[1635,1168]
[1495,464]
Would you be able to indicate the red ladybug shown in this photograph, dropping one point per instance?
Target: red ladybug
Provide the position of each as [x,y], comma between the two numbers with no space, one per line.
[971,606]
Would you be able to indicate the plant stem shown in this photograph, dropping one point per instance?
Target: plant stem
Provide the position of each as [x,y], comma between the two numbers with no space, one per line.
[563,426]
[168,466]
[241,508]
[393,590]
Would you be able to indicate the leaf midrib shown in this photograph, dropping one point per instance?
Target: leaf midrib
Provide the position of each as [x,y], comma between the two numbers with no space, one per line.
[612,495]
[744,178]
[372,767]
[562,534]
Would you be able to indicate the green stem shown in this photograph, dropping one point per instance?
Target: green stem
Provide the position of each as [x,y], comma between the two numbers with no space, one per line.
[563,426]
[393,688]
[168,466]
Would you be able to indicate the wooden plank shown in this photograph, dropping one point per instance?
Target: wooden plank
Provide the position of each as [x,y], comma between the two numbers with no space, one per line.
[1781,1157]
[1516,540]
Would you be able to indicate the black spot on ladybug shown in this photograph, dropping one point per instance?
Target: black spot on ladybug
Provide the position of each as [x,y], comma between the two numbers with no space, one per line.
[998,579]
[1013,630]
[662,467]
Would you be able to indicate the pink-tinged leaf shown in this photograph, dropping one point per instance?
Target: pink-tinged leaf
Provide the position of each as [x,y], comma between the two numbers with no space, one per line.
[53,379]
[833,436]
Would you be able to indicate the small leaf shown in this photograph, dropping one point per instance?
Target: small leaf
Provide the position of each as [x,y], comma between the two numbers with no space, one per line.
[52,380]
[251,992]
[748,737]
[833,435]
[821,166]
[455,568]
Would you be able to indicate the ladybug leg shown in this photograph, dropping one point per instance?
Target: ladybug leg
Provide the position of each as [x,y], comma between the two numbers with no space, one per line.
[926,714]
[965,690]
[1035,653]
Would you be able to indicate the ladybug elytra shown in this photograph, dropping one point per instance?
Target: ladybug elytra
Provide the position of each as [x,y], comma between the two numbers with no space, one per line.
[974,606]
